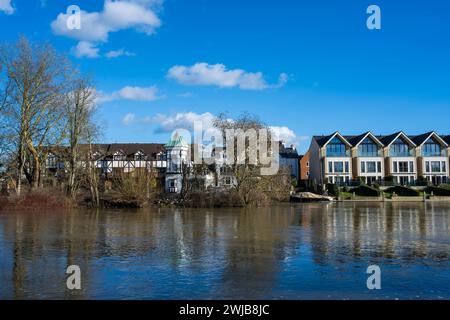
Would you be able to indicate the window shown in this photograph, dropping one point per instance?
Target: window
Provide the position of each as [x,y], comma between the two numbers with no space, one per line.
[399,148]
[395,167]
[336,148]
[363,167]
[435,166]
[346,167]
[330,166]
[307,164]
[119,156]
[371,167]
[379,166]
[427,166]
[444,166]
[431,148]
[228,181]
[411,166]
[368,148]
[140,156]
[403,167]
[339,167]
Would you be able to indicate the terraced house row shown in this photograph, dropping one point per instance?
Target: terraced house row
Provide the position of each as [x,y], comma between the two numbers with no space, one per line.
[397,158]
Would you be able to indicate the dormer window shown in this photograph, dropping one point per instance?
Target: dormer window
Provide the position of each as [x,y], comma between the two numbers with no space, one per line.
[140,156]
[400,148]
[431,148]
[368,148]
[119,156]
[336,148]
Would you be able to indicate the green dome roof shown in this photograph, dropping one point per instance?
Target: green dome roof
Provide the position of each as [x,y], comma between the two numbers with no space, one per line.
[177,141]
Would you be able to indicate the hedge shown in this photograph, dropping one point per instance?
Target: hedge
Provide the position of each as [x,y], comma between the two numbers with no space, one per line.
[403,191]
[366,191]
[438,191]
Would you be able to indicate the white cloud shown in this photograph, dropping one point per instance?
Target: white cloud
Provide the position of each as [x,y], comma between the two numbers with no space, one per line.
[204,74]
[139,15]
[287,135]
[128,119]
[85,49]
[130,93]
[119,53]
[185,120]
[6,7]
[182,120]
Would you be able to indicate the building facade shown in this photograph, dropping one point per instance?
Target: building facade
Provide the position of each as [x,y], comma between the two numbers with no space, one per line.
[397,158]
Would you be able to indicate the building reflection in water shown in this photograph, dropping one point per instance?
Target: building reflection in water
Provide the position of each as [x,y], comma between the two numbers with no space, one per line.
[213,253]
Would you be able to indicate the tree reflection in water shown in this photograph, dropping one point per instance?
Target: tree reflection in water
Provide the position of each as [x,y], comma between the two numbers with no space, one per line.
[290,251]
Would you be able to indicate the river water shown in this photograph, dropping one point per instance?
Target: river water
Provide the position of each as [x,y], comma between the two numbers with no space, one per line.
[289,251]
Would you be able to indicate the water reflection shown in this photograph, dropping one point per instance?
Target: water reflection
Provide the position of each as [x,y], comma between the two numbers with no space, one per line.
[290,251]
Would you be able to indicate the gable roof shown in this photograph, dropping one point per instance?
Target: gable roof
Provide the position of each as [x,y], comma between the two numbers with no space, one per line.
[356,140]
[388,140]
[421,139]
[324,140]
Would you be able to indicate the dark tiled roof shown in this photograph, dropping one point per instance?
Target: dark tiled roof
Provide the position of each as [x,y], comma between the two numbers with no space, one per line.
[386,140]
[354,140]
[129,149]
[446,139]
[321,140]
[418,140]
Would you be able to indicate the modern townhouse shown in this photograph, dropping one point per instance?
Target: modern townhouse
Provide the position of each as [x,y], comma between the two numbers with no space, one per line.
[432,157]
[400,158]
[404,159]
[367,157]
[330,159]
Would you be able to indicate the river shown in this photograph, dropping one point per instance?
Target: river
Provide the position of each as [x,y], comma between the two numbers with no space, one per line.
[289,251]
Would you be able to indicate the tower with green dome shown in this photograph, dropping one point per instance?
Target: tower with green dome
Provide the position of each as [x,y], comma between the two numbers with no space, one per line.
[177,156]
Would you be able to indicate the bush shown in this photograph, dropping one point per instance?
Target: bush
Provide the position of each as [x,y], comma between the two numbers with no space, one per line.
[445,186]
[422,181]
[36,200]
[361,180]
[366,191]
[333,189]
[438,191]
[403,191]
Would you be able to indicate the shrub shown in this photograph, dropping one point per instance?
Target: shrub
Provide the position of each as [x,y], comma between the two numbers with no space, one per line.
[403,191]
[445,186]
[366,191]
[438,191]
[422,181]
[333,189]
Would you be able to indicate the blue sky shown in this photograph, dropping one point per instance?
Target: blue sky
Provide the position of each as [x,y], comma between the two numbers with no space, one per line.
[310,67]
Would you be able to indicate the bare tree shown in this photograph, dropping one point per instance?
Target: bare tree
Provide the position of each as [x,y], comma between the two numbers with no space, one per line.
[35,79]
[79,112]
[252,187]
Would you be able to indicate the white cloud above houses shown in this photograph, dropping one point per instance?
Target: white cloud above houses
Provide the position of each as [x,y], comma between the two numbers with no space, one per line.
[186,120]
[204,74]
[6,7]
[139,15]
[287,135]
[130,93]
